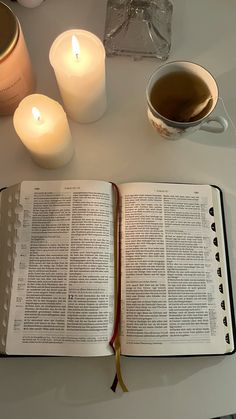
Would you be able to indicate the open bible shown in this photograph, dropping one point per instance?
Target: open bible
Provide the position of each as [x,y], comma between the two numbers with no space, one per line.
[59,257]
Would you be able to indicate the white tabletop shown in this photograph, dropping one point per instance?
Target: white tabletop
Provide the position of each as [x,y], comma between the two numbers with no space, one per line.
[122,147]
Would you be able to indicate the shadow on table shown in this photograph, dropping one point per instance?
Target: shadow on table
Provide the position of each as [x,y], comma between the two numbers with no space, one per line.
[233,416]
[78,381]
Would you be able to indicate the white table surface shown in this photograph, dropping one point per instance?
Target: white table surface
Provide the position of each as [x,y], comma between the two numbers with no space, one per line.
[123,147]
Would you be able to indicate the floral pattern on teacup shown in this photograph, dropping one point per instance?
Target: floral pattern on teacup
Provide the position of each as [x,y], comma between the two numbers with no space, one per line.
[166,131]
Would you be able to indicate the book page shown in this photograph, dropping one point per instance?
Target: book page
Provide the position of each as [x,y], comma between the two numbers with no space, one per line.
[171,303]
[63,276]
[8,218]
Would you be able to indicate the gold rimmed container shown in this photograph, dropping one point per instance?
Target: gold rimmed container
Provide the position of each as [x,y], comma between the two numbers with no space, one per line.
[16,75]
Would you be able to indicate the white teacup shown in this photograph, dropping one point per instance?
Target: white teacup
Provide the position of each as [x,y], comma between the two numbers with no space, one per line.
[172,129]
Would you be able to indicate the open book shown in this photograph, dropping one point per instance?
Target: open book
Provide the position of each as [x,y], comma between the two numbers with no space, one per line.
[57,254]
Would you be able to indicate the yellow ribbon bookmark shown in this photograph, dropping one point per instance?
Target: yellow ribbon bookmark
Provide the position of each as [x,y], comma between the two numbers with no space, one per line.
[115,340]
[118,377]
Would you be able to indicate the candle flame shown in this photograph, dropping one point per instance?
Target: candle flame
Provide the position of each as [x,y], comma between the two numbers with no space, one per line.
[36,114]
[75,46]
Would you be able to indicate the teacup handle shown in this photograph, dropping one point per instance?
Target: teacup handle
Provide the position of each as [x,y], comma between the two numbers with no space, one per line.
[223,124]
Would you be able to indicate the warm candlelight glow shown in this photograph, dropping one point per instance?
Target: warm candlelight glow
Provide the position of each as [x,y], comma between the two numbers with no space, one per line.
[78,59]
[75,46]
[45,133]
[36,114]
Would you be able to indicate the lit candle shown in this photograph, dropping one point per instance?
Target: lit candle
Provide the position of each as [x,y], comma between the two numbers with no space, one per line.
[42,126]
[78,59]
[30,3]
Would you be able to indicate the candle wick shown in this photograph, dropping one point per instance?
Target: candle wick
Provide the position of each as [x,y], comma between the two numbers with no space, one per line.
[36,114]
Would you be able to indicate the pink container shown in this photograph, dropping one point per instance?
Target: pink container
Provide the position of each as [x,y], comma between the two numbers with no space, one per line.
[16,76]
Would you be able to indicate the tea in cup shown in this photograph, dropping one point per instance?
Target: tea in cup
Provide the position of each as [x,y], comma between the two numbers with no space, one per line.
[181,97]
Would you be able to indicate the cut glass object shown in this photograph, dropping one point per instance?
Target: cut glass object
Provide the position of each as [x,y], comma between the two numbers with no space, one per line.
[138,28]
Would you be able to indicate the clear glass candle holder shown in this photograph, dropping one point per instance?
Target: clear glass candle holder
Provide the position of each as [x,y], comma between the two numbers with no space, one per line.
[138,28]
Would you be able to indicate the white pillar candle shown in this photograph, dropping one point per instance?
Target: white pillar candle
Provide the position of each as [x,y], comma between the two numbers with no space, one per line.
[30,3]
[78,59]
[42,126]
